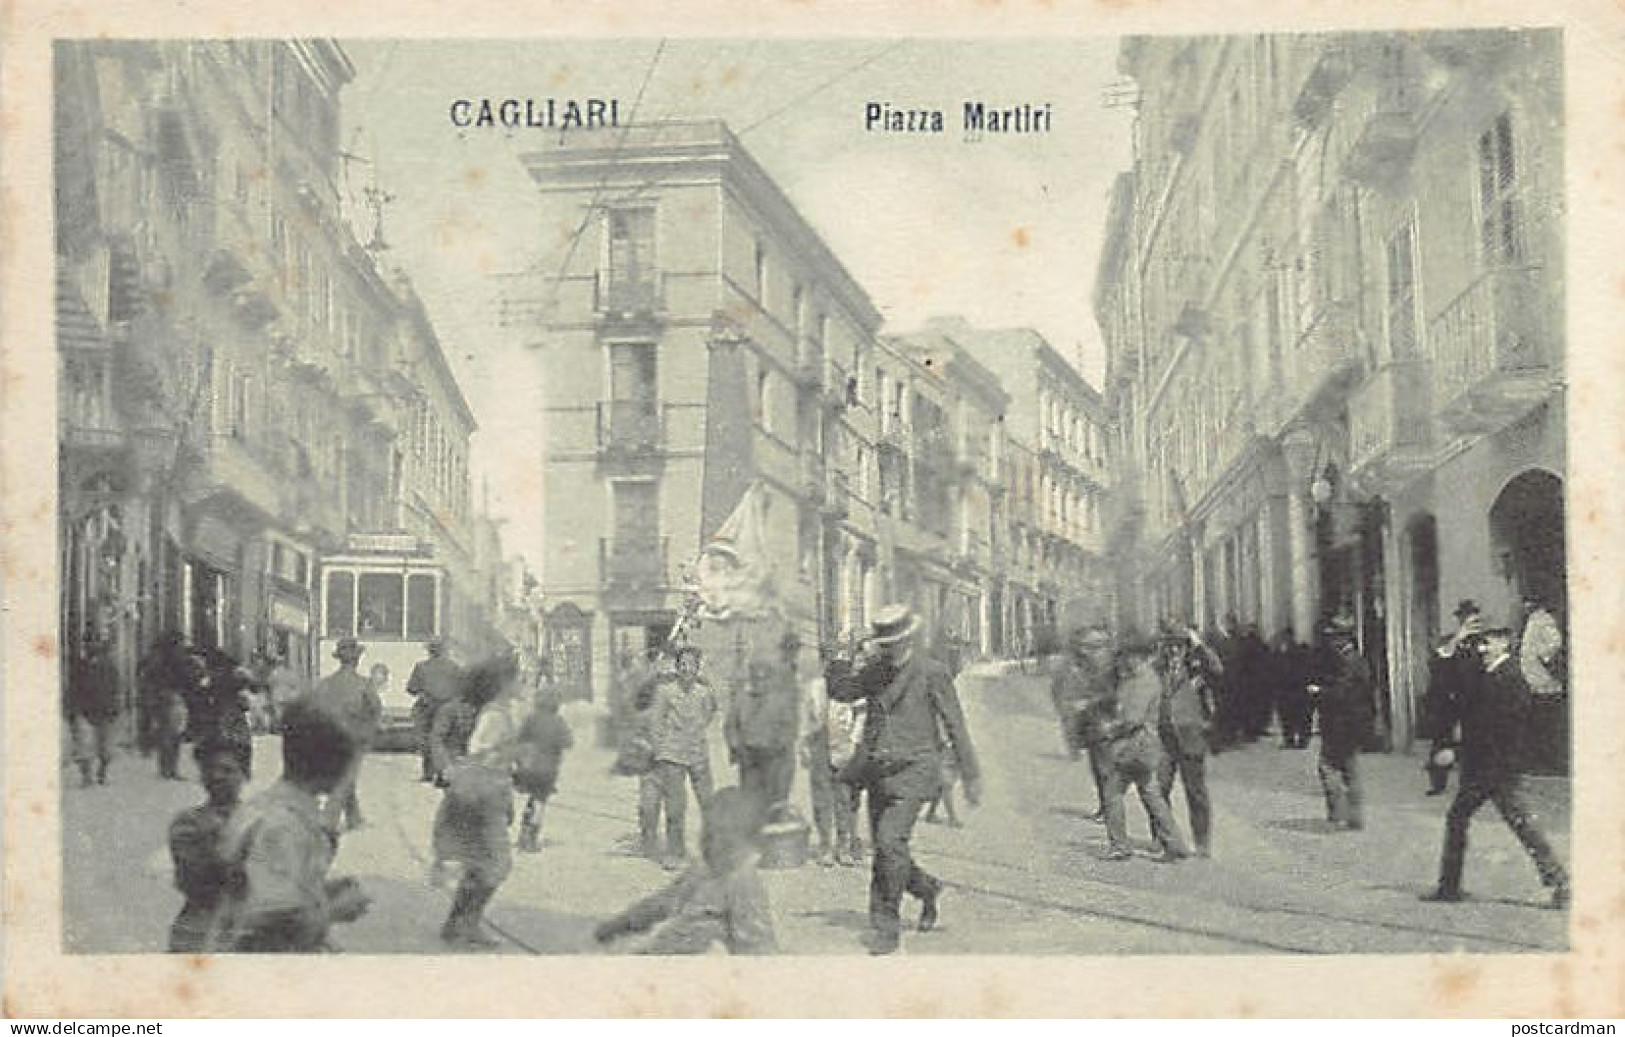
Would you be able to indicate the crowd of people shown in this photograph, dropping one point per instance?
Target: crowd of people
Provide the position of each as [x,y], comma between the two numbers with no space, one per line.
[875,723]
[1147,714]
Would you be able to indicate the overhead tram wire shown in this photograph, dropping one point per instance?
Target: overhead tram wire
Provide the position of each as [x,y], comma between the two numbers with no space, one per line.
[821,87]
[550,298]
[641,189]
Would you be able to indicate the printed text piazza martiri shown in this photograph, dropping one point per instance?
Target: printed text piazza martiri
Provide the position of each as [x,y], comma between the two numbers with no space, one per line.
[978,117]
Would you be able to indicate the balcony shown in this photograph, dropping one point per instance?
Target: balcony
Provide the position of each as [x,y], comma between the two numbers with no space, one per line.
[808,372]
[838,495]
[1331,70]
[634,564]
[233,469]
[840,389]
[1495,357]
[628,297]
[237,268]
[894,436]
[1326,353]
[810,484]
[630,428]
[93,437]
[1390,424]
[1384,132]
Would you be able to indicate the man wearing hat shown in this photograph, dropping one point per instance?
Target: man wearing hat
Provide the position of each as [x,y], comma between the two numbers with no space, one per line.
[435,681]
[1494,726]
[349,698]
[1346,712]
[1455,665]
[1085,678]
[911,704]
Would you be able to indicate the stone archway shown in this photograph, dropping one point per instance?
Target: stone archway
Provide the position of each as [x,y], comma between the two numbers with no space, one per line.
[1531,555]
[1527,536]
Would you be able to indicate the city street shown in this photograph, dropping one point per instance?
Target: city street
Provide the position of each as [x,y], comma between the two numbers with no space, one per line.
[1025,875]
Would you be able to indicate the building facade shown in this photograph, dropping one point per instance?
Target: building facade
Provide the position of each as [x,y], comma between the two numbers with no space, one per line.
[1057,477]
[713,342]
[696,337]
[241,384]
[1332,300]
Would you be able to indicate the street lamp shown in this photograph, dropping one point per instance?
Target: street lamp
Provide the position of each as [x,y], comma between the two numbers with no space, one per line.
[1323,486]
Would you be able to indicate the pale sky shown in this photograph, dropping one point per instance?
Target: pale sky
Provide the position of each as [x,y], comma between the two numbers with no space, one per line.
[1006,232]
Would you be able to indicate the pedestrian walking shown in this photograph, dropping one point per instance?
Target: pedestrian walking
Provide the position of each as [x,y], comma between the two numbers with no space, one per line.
[166,675]
[471,824]
[1494,713]
[760,729]
[1121,728]
[681,711]
[353,700]
[720,899]
[277,851]
[911,702]
[1289,676]
[201,873]
[1452,666]
[821,739]
[1253,699]
[1085,678]
[1184,721]
[93,710]
[220,705]
[1346,711]
[543,739]
[434,681]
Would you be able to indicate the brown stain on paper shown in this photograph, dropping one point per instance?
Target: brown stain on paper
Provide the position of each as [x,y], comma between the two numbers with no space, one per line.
[1021,236]
[1454,983]
[44,646]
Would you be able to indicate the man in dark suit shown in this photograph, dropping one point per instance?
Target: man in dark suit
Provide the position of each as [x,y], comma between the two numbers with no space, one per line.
[1346,712]
[911,705]
[1454,665]
[1494,714]
[1184,719]
[434,682]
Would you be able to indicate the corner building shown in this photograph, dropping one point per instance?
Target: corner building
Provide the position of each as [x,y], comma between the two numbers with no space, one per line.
[694,335]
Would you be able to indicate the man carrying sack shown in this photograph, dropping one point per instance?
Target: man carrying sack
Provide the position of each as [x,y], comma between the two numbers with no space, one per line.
[911,704]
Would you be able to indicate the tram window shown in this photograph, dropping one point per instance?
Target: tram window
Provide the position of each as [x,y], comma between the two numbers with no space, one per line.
[421,606]
[381,605]
[340,604]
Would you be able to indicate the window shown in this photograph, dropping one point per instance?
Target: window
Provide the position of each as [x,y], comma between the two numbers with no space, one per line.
[763,399]
[381,605]
[340,611]
[631,245]
[1500,205]
[237,390]
[1402,292]
[797,315]
[422,606]
[761,275]
[632,373]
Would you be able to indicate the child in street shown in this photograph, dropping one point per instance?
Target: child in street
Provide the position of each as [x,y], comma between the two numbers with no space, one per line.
[194,844]
[543,739]
[720,898]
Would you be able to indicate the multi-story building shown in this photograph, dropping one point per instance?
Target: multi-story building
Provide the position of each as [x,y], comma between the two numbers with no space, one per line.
[1331,294]
[1058,480]
[949,538]
[242,388]
[696,337]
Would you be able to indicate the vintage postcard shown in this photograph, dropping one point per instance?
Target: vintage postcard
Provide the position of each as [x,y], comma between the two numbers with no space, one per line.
[977,510]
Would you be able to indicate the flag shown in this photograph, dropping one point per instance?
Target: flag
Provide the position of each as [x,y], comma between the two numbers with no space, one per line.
[733,578]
